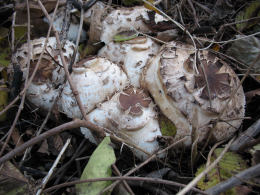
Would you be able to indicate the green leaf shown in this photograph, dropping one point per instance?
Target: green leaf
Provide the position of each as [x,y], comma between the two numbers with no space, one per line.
[228,166]
[3,100]
[20,33]
[252,10]
[166,126]
[3,32]
[99,166]
[125,36]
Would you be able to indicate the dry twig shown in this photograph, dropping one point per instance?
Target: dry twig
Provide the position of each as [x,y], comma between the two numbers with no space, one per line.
[144,179]
[48,176]
[207,169]
[236,180]
[26,80]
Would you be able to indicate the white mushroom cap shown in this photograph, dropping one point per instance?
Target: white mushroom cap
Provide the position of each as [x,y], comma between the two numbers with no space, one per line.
[97,79]
[42,96]
[50,73]
[73,25]
[131,115]
[123,19]
[183,97]
[131,55]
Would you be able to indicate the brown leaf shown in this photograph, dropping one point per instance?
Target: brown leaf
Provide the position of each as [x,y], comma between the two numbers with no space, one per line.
[35,9]
[133,99]
[17,139]
[219,83]
[44,71]
[12,181]
[44,149]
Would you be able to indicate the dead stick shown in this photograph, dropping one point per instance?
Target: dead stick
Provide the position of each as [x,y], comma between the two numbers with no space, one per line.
[127,187]
[144,179]
[10,132]
[237,179]
[67,126]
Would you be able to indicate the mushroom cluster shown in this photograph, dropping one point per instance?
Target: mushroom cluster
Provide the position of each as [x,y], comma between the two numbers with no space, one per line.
[190,88]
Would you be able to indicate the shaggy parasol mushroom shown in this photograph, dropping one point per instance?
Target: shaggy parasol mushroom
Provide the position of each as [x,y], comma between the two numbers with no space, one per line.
[130,114]
[96,79]
[107,25]
[50,74]
[132,55]
[193,99]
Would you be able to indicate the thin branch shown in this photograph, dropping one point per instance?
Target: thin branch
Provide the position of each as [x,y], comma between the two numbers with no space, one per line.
[28,150]
[180,26]
[144,163]
[143,179]
[48,176]
[127,187]
[10,132]
[236,180]
[77,41]
[228,41]
[65,65]
[207,169]
[67,126]
[35,69]
[228,101]
[246,136]
[196,21]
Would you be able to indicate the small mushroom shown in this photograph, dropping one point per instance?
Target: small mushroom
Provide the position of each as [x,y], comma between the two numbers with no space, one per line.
[131,55]
[130,114]
[96,79]
[120,20]
[50,74]
[191,97]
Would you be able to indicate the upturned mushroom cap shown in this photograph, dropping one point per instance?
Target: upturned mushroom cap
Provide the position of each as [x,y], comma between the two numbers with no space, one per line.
[50,73]
[130,114]
[131,55]
[182,94]
[97,79]
[121,20]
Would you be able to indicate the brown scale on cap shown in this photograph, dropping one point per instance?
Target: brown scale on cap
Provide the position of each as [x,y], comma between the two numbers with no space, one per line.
[219,83]
[44,71]
[133,100]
